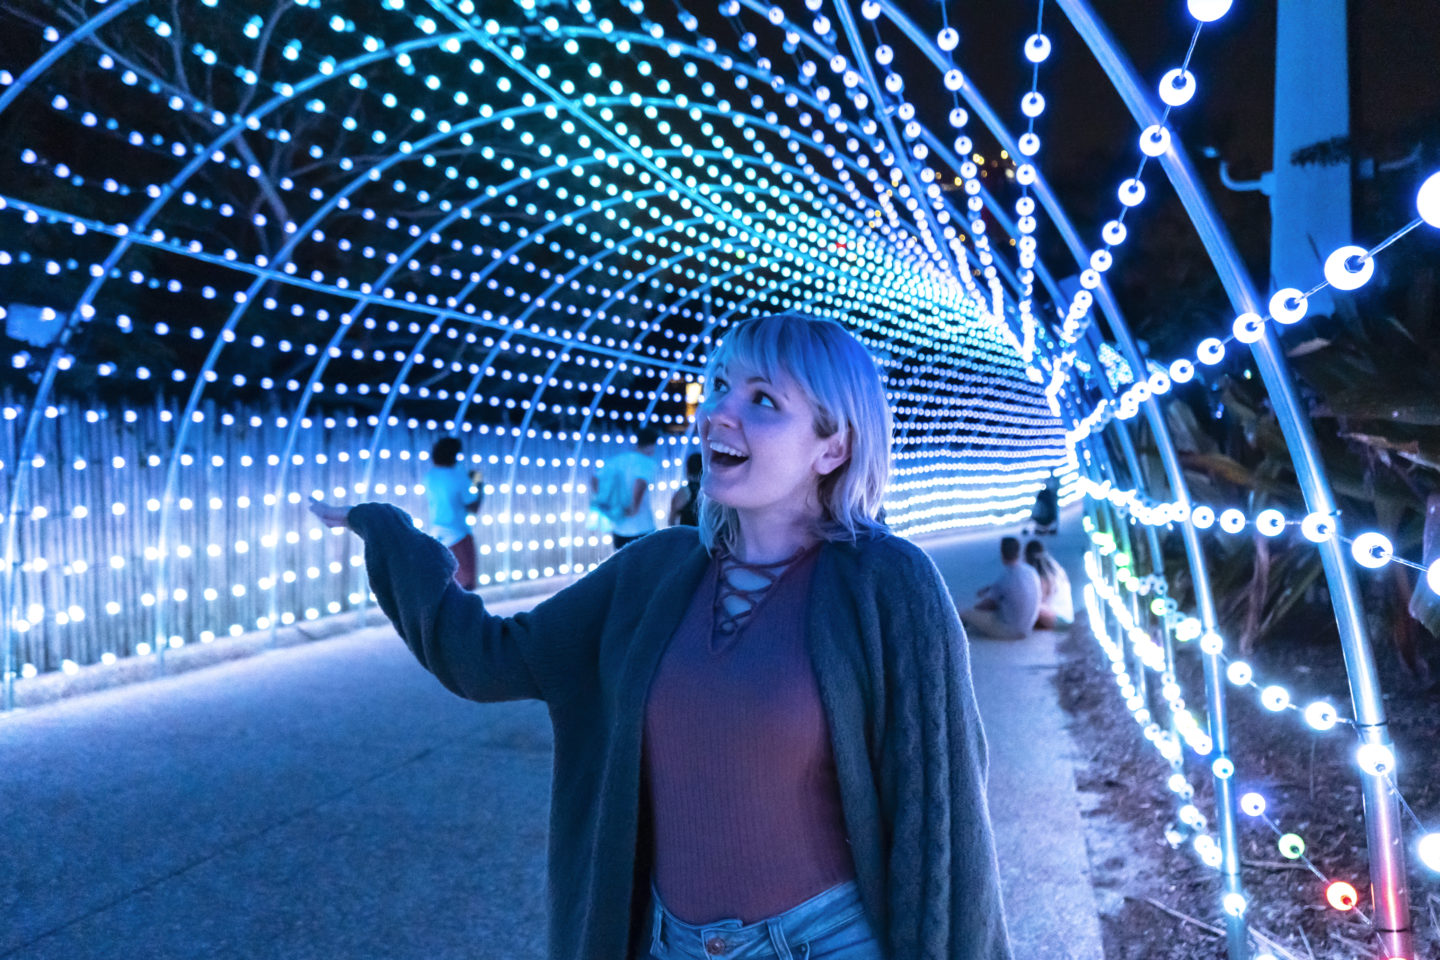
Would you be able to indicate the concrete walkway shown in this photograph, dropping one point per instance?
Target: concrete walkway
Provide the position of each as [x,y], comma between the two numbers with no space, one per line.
[332,801]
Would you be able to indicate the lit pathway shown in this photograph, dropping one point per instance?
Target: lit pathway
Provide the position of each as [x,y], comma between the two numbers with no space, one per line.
[332,801]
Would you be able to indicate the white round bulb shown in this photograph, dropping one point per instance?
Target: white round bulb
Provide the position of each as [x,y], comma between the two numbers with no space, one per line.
[1132,192]
[1208,11]
[1275,698]
[1252,804]
[1223,768]
[1032,104]
[1037,48]
[1234,904]
[1375,758]
[1203,517]
[1212,644]
[1154,140]
[1270,522]
[1288,305]
[1025,206]
[869,9]
[1028,144]
[1182,371]
[948,39]
[1249,327]
[1349,268]
[1318,527]
[1432,576]
[1232,520]
[1427,201]
[1372,549]
[1210,351]
[1239,673]
[1177,87]
[1025,174]
[1429,850]
[1321,715]
[1114,233]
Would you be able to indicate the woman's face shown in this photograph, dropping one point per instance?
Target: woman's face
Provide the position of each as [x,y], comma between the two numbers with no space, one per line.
[762,455]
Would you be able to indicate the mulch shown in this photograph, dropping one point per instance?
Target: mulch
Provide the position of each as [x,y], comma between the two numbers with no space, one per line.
[1162,903]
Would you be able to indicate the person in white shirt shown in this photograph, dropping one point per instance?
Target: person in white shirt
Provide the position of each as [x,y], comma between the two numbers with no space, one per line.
[1008,607]
[622,491]
[454,495]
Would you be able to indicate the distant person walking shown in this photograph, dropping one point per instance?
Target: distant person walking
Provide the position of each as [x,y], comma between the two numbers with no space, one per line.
[1057,601]
[1046,512]
[622,490]
[766,739]
[453,495]
[685,504]
[1008,607]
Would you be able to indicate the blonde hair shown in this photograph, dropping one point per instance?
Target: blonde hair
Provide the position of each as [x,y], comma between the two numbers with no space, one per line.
[842,382]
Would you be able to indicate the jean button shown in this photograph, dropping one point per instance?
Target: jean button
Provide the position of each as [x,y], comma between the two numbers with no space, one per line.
[715,946]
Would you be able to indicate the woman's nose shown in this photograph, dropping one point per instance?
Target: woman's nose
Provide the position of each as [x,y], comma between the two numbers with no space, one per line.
[721,410]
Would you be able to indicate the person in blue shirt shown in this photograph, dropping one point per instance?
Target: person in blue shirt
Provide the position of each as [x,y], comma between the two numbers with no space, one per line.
[454,495]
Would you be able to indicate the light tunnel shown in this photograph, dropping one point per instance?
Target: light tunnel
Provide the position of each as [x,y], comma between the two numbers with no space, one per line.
[255,253]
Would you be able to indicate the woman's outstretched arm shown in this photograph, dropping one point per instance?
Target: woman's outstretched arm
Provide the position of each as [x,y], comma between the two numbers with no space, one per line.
[480,656]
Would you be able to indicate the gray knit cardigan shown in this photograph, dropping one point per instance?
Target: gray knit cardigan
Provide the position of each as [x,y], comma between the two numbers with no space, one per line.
[890,657]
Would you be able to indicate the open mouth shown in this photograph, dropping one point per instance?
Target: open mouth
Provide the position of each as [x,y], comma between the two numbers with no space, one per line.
[722,455]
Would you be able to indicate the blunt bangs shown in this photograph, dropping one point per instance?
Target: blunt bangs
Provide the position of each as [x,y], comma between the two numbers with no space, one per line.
[842,382]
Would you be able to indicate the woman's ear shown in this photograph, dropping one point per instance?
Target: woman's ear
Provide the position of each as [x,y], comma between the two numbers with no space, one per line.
[835,453]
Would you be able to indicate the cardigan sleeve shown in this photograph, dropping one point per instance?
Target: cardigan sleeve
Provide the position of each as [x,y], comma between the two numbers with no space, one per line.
[943,879]
[474,653]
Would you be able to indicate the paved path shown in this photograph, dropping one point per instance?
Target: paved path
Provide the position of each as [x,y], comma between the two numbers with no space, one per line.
[332,801]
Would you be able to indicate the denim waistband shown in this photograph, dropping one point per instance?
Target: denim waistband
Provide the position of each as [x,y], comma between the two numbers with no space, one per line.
[776,937]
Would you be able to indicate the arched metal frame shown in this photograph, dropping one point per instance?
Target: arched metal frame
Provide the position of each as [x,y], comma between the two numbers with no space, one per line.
[1389,888]
[1387,860]
[135,233]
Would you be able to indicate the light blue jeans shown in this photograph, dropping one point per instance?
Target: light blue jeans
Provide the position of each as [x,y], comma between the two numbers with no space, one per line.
[828,926]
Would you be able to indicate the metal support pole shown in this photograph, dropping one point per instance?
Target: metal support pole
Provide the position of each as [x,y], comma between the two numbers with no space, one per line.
[1389,891]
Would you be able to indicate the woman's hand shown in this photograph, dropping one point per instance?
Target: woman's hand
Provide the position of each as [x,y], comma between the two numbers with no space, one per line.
[330,514]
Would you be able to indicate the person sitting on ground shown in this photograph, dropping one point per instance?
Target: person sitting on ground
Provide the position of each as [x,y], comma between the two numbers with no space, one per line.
[1008,607]
[767,743]
[1057,602]
[685,505]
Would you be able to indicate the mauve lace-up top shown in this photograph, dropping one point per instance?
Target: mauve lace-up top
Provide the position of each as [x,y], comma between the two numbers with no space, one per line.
[742,783]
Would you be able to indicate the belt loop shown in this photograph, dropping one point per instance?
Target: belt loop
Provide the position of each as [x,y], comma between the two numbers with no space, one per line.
[777,939]
[656,922]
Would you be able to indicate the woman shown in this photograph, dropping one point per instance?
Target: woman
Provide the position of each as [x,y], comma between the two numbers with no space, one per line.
[1057,601]
[766,740]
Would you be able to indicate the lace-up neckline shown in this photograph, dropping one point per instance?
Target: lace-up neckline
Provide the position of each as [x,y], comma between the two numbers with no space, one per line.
[740,589]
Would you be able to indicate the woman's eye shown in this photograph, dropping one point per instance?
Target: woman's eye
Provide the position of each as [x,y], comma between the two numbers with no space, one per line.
[764,398]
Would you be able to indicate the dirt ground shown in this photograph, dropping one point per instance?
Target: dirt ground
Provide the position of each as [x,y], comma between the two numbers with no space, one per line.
[1161,903]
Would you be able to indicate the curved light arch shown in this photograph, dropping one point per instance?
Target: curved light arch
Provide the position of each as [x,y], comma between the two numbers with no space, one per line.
[746,222]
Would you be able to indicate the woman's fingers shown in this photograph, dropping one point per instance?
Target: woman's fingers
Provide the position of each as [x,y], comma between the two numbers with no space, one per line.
[330,514]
